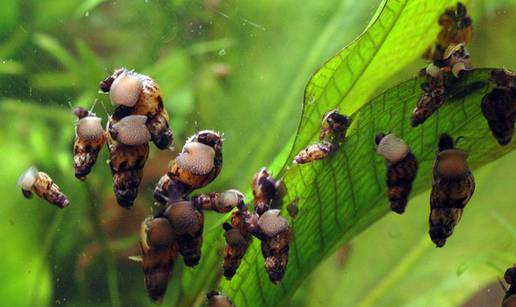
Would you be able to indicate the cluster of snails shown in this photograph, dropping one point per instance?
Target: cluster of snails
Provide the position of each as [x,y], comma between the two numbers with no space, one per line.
[177,227]
[139,117]
[452,182]
[449,55]
[264,223]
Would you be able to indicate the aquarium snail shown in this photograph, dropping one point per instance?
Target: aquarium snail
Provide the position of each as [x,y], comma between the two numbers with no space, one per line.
[198,164]
[499,105]
[138,94]
[126,89]
[131,130]
[34,181]
[158,257]
[271,222]
[219,202]
[401,169]
[452,187]
[89,140]
[196,158]
[218,299]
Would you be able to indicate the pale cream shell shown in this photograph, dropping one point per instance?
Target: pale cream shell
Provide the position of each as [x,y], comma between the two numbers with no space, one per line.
[433,71]
[457,68]
[131,130]
[451,50]
[126,89]
[231,198]
[271,222]
[196,158]
[27,179]
[392,148]
[89,128]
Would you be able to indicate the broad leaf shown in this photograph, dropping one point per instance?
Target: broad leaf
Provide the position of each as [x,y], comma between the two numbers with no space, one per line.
[342,195]
[399,34]
[393,263]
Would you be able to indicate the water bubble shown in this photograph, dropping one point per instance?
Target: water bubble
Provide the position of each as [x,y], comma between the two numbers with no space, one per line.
[222,52]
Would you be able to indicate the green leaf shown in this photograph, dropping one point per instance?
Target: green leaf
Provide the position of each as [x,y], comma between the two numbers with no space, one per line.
[342,195]
[382,258]
[56,50]
[392,40]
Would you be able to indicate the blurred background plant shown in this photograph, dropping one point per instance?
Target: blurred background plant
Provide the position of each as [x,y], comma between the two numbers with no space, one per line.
[235,67]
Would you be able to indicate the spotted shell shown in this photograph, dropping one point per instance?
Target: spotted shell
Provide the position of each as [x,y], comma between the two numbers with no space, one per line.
[131,130]
[183,218]
[392,148]
[196,158]
[89,128]
[126,89]
[271,222]
[27,179]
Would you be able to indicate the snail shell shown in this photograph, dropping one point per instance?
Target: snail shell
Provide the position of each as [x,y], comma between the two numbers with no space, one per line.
[234,237]
[131,130]
[28,178]
[392,148]
[452,162]
[126,89]
[231,198]
[158,232]
[183,218]
[89,128]
[433,71]
[196,158]
[271,222]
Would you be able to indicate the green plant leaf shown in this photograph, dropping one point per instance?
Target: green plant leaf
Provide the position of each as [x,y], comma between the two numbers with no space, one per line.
[392,40]
[342,195]
[393,263]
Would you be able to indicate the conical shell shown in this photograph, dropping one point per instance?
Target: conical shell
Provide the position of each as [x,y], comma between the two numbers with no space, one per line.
[126,89]
[131,130]
[196,158]
[392,148]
